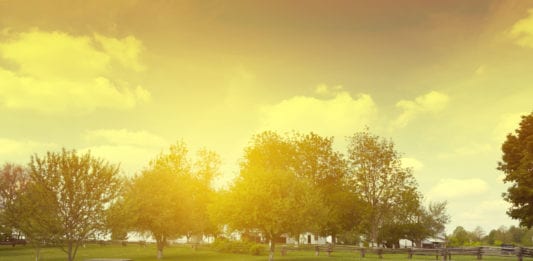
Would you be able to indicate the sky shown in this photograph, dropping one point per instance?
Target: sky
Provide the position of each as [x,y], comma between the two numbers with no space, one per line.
[445,80]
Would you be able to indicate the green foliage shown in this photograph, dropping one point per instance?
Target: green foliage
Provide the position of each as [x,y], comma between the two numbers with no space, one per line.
[13,182]
[257,250]
[316,161]
[235,247]
[67,198]
[120,217]
[160,197]
[517,164]
[459,237]
[170,197]
[388,190]
[268,195]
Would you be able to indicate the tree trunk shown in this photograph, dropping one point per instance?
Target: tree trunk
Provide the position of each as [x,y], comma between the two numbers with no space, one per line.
[37,253]
[160,245]
[333,238]
[69,252]
[374,234]
[272,245]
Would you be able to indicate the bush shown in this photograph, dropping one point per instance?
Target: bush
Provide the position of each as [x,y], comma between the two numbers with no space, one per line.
[236,247]
[257,250]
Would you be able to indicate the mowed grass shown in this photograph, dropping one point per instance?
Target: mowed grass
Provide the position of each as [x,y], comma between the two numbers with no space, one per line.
[148,253]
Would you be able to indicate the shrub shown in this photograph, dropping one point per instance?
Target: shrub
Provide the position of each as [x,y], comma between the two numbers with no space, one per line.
[257,250]
[237,247]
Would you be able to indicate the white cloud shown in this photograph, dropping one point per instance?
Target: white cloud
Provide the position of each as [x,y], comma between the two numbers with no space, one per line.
[340,115]
[57,72]
[479,212]
[412,163]
[431,102]
[522,31]
[132,159]
[21,150]
[473,149]
[132,149]
[125,51]
[325,90]
[125,137]
[507,123]
[458,188]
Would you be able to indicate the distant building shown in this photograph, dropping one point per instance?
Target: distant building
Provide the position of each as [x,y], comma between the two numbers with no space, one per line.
[308,238]
[433,242]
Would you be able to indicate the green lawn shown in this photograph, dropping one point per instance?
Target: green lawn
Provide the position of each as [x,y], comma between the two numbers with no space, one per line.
[137,253]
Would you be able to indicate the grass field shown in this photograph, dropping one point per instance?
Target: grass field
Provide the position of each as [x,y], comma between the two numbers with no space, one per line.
[137,253]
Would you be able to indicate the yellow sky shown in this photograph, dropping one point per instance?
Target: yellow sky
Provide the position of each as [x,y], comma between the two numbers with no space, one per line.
[446,80]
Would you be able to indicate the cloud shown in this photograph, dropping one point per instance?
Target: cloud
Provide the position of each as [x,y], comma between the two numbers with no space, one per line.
[522,31]
[132,159]
[457,188]
[507,123]
[412,163]
[15,150]
[125,137]
[337,116]
[56,72]
[132,149]
[125,51]
[479,212]
[325,90]
[473,149]
[431,102]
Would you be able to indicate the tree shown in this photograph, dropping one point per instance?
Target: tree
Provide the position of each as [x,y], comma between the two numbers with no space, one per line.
[13,181]
[478,234]
[377,175]
[316,161]
[160,196]
[120,216]
[517,164]
[205,169]
[437,218]
[170,197]
[413,221]
[267,195]
[19,212]
[459,237]
[72,193]
[406,220]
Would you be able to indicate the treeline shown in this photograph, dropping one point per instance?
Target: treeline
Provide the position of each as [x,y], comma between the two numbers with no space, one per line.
[287,185]
[518,236]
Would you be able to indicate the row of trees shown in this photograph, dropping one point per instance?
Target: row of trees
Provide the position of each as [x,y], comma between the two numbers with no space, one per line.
[496,237]
[287,184]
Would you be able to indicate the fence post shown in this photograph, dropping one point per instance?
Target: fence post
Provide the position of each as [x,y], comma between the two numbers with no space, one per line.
[380,253]
[363,252]
[317,250]
[410,253]
[479,253]
[437,254]
[329,249]
[283,251]
[520,254]
[444,254]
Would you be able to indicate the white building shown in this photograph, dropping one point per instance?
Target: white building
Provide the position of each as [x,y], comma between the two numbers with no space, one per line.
[308,238]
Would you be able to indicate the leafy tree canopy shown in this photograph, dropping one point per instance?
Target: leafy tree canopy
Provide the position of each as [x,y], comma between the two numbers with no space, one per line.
[517,164]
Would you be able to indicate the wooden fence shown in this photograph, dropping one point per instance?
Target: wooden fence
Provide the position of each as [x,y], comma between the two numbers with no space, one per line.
[438,253]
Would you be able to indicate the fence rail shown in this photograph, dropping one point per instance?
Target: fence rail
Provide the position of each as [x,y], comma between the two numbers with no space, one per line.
[438,253]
